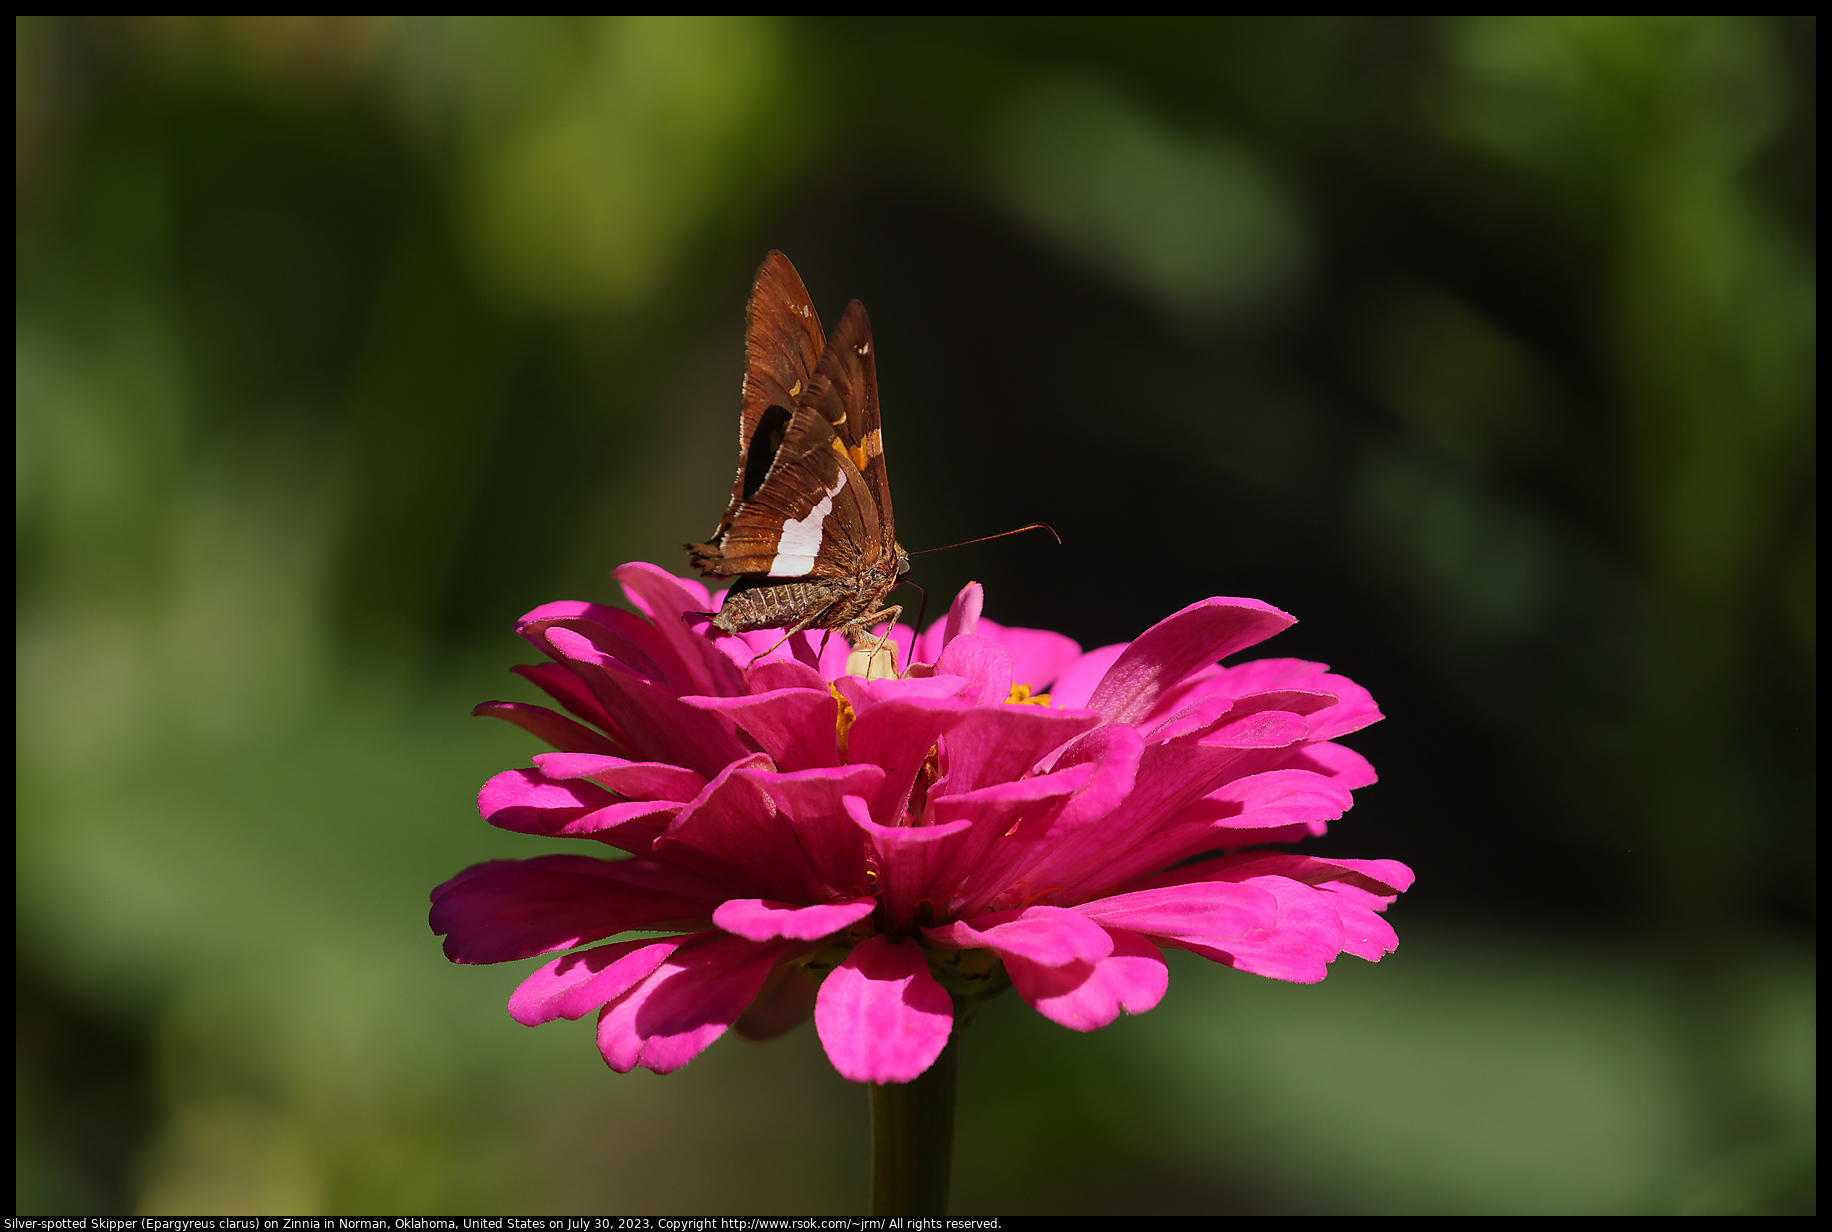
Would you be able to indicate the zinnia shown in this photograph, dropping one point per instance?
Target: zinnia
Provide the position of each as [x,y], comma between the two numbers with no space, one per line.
[882,852]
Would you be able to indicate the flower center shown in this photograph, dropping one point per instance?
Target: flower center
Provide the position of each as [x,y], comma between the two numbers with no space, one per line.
[843,721]
[1021,696]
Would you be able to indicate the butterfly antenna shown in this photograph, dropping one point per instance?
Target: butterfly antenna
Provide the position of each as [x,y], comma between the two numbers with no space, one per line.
[1002,534]
[922,609]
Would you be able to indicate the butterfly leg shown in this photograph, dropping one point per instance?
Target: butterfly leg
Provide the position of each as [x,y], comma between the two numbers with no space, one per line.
[889,614]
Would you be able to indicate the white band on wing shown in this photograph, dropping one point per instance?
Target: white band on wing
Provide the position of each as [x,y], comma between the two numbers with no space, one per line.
[800,541]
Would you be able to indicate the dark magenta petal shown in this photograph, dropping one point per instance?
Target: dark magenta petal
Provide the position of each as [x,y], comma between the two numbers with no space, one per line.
[691,1000]
[508,909]
[1002,744]
[796,727]
[881,1015]
[786,837]
[785,1001]
[1047,935]
[543,724]
[694,665]
[1178,645]
[578,984]
[634,780]
[1085,996]
[984,663]
[762,920]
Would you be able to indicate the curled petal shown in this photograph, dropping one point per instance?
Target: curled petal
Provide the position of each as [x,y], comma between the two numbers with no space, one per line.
[881,1015]
[1085,996]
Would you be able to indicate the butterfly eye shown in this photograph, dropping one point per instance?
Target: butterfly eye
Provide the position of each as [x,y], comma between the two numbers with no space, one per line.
[765,443]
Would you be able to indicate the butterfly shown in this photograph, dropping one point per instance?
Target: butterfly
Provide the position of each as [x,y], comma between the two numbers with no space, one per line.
[808,533]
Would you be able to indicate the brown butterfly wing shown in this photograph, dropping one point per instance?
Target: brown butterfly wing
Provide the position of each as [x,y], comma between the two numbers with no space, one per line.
[845,390]
[782,344]
[799,505]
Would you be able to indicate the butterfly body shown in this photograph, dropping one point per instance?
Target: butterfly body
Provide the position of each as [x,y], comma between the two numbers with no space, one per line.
[808,532]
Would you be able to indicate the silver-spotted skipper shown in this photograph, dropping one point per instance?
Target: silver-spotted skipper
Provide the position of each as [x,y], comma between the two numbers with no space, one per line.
[808,533]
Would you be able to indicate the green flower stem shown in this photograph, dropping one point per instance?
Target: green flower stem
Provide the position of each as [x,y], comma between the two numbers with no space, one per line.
[912,1140]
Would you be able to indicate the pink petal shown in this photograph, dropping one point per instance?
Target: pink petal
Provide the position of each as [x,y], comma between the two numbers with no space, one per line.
[509,909]
[1340,762]
[881,1015]
[984,663]
[908,860]
[690,1001]
[779,836]
[1354,707]
[654,721]
[1002,744]
[1176,646]
[1038,656]
[1307,938]
[563,686]
[963,615]
[543,724]
[896,735]
[528,802]
[762,920]
[575,985]
[774,674]
[796,727]
[1084,996]
[693,663]
[1211,909]
[1079,679]
[1116,753]
[634,780]
[1050,936]
[601,641]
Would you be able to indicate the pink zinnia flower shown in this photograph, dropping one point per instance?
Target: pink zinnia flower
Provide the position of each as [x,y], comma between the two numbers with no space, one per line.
[879,851]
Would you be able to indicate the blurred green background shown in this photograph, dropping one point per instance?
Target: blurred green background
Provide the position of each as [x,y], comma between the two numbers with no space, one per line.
[1486,347]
